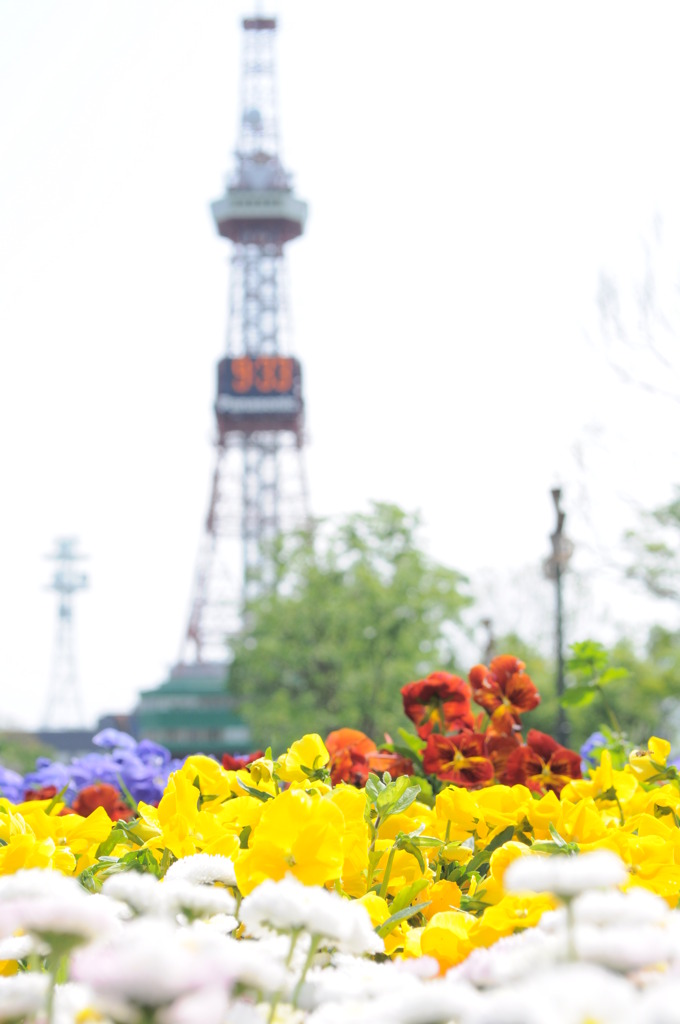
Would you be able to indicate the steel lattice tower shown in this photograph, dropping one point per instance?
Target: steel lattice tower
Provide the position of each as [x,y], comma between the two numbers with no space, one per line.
[64,706]
[258,486]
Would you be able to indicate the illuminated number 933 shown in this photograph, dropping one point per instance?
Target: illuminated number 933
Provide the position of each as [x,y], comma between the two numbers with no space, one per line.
[265,374]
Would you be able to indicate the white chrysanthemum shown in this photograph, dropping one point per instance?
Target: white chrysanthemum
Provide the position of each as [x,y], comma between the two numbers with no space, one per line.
[37,883]
[511,958]
[181,897]
[225,924]
[22,995]
[660,1003]
[141,892]
[152,962]
[208,1005]
[563,875]
[17,947]
[288,905]
[571,993]
[635,907]
[71,917]
[203,869]
[623,948]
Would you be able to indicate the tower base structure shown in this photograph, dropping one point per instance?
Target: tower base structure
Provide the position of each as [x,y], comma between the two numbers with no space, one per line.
[192,713]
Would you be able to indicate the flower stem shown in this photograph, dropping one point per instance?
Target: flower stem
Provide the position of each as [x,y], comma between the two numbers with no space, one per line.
[313,946]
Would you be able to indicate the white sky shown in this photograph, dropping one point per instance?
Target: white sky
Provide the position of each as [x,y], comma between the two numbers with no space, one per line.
[471,170]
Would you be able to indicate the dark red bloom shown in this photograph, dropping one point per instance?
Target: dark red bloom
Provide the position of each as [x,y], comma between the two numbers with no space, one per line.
[504,690]
[542,764]
[498,747]
[388,761]
[233,764]
[459,759]
[349,750]
[45,793]
[101,794]
[438,704]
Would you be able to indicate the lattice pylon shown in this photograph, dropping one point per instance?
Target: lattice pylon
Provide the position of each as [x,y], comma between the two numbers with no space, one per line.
[64,708]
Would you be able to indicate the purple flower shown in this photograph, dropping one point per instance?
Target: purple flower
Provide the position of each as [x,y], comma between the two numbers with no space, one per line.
[114,738]
[11,785]
[51,773]
[590,750]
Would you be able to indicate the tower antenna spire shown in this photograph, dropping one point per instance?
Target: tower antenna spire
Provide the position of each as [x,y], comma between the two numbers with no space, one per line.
[258,487]
[64,705]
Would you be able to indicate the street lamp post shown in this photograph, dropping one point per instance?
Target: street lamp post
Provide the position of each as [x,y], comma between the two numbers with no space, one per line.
[554,567]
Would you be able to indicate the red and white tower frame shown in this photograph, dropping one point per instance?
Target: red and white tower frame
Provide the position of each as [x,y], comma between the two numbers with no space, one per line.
[258,487]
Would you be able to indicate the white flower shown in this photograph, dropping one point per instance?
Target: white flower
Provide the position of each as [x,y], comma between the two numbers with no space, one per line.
[17,947]
[203,869]
[288,905]
[69,917]
[141,892]
[152,962]
[635,907]
[623,948]
[565,875]
[208,1005]
[180,897]
[22,995]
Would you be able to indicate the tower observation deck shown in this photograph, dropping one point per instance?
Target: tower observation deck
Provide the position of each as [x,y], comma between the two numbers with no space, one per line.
[258,485]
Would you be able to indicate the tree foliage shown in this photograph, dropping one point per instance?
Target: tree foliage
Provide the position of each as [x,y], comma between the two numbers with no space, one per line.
[655,548]
[354,610]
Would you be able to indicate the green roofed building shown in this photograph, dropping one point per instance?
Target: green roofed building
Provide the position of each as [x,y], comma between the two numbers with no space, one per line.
[193,713]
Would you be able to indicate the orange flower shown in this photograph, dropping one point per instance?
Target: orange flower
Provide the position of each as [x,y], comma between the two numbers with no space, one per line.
[385,761]
[101,794]
[459,759]
[542,765]
[349,749]
[438,704]
[504,690]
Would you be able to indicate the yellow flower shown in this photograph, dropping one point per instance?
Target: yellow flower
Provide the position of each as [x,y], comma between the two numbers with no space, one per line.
[513,911]
[25,851]
[543,813]
[446,937]
[80,835]
[351,802]
[442,895]
[503,805]
[309,752]
[491,887]
[379,911]
[298,834]
[640,761]
[457,814]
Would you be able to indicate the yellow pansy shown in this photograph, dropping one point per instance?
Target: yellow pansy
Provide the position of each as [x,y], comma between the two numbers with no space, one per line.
[512,912]
[78,834]
[351,802]
[446,937]
[457,815]
[298,834]
[503,805]
[543,813]
[441,895]
[308,752]
[491,888]
[208,775]
[378,910]
[640,761]
[583,822]
[25,851]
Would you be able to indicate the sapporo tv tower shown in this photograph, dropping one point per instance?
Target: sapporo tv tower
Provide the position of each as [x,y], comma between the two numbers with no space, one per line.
[258,486]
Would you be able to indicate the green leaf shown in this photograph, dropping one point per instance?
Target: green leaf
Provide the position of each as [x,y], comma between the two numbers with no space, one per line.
[115,836]
[611,675]
[401,915]
[578,696]
[556,836]
[259,794]
[373,787]
[413,744]
[403,898]
[475,863]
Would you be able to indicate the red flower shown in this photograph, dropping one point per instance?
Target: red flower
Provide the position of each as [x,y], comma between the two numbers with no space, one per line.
[542,764]
[101,794]
[459,759]
[232,764]
[388,761]
[498,747]
[349,749]
[45,793]
[439,704]
[504,690]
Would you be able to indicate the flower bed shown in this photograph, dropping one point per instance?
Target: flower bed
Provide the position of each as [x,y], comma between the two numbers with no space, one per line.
[487,882]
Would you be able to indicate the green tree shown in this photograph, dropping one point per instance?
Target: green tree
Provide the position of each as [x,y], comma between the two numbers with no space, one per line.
[655,549]
[354,611]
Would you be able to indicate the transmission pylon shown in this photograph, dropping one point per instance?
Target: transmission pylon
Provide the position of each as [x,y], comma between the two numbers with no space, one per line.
[64,708]
[258,486]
